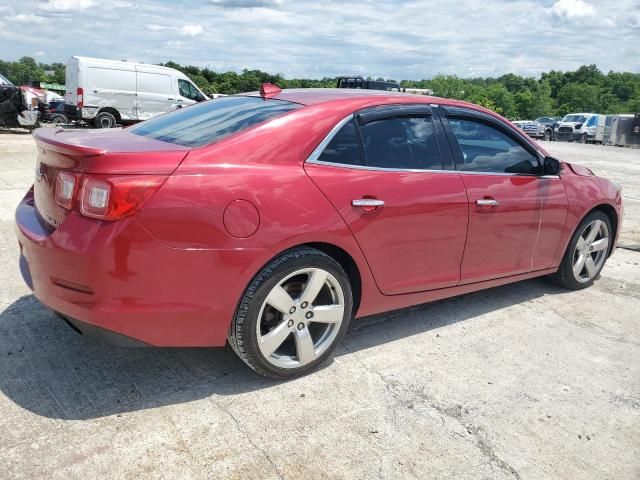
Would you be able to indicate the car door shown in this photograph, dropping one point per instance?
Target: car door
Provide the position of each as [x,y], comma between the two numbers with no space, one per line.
[507,194]
[382,169]
[188,93]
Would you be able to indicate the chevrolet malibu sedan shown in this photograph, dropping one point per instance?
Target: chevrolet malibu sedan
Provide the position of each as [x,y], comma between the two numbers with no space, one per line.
[270,220]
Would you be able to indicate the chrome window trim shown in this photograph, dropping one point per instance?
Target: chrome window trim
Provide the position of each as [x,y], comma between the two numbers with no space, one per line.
[315,155]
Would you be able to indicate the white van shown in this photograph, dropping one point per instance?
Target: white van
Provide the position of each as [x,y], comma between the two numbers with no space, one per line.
[581,127]
[107,92]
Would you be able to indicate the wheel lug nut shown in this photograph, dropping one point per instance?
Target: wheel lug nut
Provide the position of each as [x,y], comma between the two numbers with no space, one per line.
[300,326]
[304,304]
[290,323]
[292,310]
[309,315]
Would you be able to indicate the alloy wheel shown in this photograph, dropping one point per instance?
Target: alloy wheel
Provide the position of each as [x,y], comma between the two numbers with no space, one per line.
[591,251]
[300,318]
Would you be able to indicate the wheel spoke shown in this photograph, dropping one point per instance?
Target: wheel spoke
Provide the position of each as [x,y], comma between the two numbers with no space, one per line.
[581,244]
[304,346]
[593,233]
[280,299]
[601,244]
[272,340]
[315,282]
[328,314]
[591,267]
[579,265]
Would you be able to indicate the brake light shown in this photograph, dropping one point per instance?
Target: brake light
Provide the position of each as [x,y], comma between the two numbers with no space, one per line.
[114,198]
[80,95]
[65,189]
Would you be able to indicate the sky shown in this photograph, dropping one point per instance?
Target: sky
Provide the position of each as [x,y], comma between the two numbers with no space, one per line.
[305,39]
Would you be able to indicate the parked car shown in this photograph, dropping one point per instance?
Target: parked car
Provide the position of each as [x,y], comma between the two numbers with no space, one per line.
[361,83]
[14,111]
[108,92]
[269,220]
[542,128]
[579,127]
[520,123]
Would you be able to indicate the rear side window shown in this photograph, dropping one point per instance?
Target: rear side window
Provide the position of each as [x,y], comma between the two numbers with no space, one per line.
[208,122]
[343,147]
[486,149]
[401,142]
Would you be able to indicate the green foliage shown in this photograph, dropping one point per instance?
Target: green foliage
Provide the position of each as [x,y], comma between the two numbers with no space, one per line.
[513,96]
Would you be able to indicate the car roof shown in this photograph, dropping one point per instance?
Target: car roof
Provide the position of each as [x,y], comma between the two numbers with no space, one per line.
[315,96]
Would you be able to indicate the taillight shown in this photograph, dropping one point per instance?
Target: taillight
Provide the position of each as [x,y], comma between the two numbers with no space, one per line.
[65,189]
[80,95]
[113,198]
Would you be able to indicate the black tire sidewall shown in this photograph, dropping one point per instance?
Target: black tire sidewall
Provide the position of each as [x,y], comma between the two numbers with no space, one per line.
[257,292]
[101,115]
[567,277]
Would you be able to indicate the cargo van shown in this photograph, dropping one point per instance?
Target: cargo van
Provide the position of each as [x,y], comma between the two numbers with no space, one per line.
[108,92]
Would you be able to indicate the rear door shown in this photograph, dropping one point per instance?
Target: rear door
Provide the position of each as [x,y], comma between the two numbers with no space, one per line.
[506,194]
[155,94]
[383,171]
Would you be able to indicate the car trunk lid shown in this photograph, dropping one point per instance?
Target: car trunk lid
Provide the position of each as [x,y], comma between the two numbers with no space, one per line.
[101,152]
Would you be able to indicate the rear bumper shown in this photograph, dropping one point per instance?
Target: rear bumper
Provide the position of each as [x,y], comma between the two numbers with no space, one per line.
[116,277]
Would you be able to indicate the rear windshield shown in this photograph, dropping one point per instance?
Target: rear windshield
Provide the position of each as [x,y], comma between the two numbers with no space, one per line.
[211,121]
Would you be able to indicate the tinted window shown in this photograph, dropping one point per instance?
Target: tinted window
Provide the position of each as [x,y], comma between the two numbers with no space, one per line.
[210,121]
[344,147]
[486,149]
[406,143]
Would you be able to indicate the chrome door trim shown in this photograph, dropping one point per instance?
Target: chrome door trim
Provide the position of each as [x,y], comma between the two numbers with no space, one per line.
[367,202]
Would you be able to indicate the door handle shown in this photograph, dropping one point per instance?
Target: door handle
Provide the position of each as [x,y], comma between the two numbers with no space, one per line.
[367,202]
[487,202]
[171,99]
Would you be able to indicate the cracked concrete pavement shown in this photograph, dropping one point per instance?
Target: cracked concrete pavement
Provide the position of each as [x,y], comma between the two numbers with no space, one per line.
[524,381]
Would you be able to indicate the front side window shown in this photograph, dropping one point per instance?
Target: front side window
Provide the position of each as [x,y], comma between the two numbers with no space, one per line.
[188,90]
[343,147]
[401,142]
[207,122]
[486,149]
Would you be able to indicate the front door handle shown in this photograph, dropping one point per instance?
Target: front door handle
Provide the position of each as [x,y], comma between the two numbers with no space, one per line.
[367,202]
[487,202]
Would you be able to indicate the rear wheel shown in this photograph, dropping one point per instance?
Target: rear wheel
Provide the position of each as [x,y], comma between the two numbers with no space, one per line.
[105,120]
[293,314]
[586,253]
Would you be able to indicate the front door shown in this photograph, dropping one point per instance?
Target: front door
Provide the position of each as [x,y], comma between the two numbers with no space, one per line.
[502,176]
[383,172]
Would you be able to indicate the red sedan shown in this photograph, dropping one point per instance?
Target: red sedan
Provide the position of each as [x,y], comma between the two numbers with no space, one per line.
[269,220]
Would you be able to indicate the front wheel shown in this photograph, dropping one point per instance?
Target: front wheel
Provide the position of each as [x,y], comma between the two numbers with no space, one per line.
[547,136]
[587,252]
[293,315]
[583,138]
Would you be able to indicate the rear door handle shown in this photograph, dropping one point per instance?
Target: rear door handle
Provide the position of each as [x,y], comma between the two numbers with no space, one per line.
[367,202]
[487,202]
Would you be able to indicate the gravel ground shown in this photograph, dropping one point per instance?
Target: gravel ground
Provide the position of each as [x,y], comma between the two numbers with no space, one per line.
[521,381]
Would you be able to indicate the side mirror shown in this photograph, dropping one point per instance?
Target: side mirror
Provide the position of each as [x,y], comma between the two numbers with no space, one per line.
[551,166]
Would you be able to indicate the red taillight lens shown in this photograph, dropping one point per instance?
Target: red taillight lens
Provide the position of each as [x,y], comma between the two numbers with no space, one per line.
[80,94]
[113,198]
[65,189]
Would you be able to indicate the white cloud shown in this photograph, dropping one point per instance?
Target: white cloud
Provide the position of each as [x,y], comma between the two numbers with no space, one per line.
[40,54]
[155,28]
[67,5]
[572,9]
[174,43]
[191,30]
[27,18]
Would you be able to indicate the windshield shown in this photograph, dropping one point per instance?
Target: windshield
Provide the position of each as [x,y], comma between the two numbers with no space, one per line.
[211,121]
[574,118]
[4,81]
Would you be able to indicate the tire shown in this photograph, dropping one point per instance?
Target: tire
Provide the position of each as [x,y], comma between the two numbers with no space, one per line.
[566,275]
[105,120]
[258,326]
[547,136]
[58,119]
[583,138]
